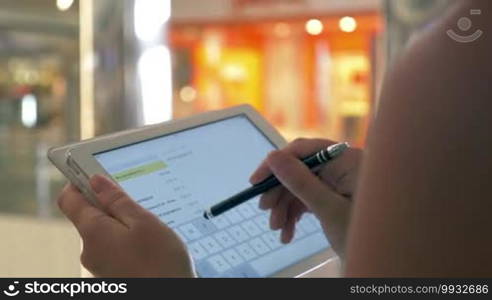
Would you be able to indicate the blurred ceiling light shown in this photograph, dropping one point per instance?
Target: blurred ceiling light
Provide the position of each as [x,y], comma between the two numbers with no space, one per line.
[149,16]
[187,94]
[64,4]
[213,47]
[26,76]
[234,72]
[282,30]
[354,108]
[87,124]
[314,27]
[29,111]
[154,70]
[347,24]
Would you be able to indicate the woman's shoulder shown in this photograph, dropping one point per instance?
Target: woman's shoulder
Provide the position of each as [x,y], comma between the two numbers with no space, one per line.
[424,195]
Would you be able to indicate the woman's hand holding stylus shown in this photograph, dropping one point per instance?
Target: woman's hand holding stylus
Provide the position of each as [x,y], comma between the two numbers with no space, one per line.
[327,195]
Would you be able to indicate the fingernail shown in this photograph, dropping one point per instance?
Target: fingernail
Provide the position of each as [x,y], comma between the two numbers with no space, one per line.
[100,183]
[274,226]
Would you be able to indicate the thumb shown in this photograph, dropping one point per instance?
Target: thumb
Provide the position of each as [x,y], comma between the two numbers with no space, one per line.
[114,200]
[300,181]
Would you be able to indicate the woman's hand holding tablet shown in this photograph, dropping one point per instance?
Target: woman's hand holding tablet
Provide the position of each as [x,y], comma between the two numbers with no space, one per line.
[174,171]
[121,239]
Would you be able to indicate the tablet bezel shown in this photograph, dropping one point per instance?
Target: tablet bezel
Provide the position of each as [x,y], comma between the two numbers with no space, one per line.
[83,155]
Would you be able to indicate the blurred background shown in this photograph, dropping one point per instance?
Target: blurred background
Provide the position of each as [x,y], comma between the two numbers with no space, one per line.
[73,69]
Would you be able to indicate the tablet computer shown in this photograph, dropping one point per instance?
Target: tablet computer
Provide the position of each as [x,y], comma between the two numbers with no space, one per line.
[179,168]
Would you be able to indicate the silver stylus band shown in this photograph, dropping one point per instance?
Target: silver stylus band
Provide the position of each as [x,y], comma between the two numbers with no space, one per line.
[322,153]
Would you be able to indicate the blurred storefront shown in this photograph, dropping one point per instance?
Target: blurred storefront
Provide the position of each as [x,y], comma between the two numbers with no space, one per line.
[38,100]
[310,67]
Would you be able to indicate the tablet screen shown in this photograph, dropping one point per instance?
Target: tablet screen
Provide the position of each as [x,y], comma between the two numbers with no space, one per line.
[178,176]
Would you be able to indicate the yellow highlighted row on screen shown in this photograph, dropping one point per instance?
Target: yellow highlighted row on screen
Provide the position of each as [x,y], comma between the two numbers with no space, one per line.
[139,171]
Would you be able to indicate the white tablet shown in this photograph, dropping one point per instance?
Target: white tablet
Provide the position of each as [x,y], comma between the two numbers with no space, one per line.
[178,169]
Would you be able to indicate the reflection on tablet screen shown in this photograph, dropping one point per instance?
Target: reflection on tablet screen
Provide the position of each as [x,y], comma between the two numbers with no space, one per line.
[177,176]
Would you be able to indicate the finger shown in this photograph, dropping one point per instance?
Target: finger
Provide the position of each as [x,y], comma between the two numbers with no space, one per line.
[115,201]
[299,148]
[78,210]
[298,179]
[270,198]
[262,172]
[298,209]
[278,216]
[302,147]
[295,211]
[290,225]
[340,173]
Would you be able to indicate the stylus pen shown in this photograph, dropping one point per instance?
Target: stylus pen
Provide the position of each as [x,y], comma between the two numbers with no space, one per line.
[311,162]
